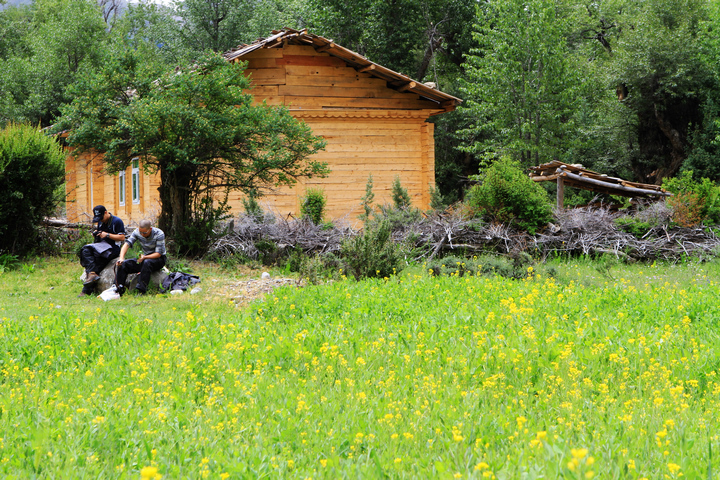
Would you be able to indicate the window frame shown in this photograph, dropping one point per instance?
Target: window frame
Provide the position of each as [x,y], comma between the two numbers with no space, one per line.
[135,185]
[121,188]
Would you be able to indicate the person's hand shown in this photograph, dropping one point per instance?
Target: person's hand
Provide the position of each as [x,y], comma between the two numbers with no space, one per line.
[141,258]
[119,261]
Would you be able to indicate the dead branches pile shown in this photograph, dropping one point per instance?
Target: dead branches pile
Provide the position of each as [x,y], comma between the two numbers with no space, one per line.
[285,233]
[586,231]
[583,231]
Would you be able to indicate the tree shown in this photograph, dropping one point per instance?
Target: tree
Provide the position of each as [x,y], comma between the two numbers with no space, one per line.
[196,127]
[61,37]
[32,167]
[523,82]
[658,62]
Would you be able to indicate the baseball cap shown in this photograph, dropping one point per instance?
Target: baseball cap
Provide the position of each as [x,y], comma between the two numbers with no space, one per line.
[99,212]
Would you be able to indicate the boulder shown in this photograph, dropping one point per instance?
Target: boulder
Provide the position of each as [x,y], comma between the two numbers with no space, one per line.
[107,278]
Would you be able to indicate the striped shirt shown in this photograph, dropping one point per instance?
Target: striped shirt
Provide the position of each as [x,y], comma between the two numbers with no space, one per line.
[155,242]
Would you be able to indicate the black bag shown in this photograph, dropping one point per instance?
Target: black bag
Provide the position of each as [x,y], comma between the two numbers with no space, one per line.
[178,281]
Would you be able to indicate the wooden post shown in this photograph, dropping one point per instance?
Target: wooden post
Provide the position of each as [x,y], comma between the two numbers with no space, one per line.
[560,193]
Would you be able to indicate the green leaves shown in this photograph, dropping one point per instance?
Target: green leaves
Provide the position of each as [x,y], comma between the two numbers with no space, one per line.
[32,167]
[522,83]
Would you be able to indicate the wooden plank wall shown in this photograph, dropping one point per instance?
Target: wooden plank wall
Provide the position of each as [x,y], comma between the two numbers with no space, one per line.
[86,174]
[357,145]
[301,78]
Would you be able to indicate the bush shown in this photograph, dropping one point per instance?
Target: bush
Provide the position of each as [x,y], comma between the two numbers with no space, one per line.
[313,204]
[32,167]
[633,226]
[507,195]
[373,253]
[693,202]
[367,200]
[318,269]
[400,195]
[252,206]
[454,266]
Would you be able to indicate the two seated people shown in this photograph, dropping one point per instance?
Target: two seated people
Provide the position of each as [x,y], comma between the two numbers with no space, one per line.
[108,234]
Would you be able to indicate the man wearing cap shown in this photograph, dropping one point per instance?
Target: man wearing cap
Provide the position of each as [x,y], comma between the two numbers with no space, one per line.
[108,232]
[152,259]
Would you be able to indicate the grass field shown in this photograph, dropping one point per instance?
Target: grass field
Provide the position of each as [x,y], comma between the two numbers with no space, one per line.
[596,373]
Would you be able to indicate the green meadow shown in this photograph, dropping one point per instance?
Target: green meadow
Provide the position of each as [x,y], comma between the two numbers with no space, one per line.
[592,373]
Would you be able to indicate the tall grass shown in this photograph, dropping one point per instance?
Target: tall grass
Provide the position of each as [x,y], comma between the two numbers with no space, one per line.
[413,377]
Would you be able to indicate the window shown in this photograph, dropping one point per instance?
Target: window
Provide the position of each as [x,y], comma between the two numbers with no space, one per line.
[136,180]
[121,188]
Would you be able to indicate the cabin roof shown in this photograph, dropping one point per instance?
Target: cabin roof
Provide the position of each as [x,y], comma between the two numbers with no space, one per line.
[395,80]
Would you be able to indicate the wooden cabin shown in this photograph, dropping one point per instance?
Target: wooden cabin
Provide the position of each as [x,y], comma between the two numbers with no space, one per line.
[373,119]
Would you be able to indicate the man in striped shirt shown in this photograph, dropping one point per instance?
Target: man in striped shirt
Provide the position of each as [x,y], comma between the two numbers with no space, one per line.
[152,259]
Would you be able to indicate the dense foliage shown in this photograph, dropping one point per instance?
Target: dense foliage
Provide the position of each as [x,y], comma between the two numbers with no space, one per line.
[312,205]
[32,169]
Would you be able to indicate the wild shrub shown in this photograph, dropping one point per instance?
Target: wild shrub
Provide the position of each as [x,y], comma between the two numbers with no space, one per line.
[633,225]
[437,200]
[693,202]
[8,262]
[400,195]
[32,167]
[507,195]
[454,266]
[367,200]
[312,205]
[373,253]
[252,206]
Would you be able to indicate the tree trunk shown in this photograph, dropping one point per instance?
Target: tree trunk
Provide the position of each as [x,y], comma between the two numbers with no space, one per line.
[677,155]
[175,207]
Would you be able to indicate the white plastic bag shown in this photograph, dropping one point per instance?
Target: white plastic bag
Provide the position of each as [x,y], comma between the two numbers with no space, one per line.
[110,294]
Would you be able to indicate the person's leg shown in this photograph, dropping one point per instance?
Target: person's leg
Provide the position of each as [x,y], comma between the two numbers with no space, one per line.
[100,263]
[147,267]
[128,266]
[87,259]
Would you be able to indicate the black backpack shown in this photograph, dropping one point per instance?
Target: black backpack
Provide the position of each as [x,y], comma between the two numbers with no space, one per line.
[178,281]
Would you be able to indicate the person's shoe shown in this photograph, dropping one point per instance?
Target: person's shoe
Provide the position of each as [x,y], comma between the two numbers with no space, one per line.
[120,290]
[91,278]
[83,294]
[140,292]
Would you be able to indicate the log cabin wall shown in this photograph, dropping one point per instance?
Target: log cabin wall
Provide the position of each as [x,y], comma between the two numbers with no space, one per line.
[370,129]
[88,184]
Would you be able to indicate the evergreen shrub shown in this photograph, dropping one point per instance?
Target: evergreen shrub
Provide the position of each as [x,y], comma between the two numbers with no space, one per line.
[373,253]
[312,205]
[507,195]
[693,202]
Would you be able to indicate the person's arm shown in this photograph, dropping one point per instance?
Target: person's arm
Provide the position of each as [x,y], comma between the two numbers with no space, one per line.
[123,251]
[148,257]
[117,237]
[116,225]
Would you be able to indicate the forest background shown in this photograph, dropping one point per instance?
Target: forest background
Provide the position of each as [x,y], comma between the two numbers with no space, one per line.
[627,88]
